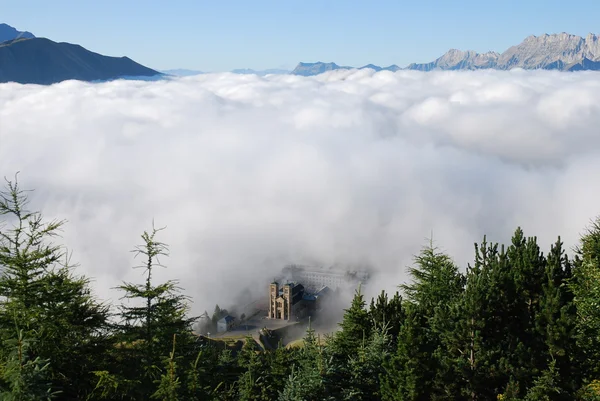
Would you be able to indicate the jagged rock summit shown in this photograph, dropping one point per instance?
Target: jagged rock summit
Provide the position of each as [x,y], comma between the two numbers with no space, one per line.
[562,51]
[455,59]
[559,51]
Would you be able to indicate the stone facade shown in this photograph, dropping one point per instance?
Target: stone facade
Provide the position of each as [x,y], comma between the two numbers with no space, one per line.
[291,301]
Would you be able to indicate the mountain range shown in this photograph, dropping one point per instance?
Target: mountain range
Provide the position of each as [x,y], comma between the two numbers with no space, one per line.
[27,59]
[563,51]
[261,73]
[309,69]
[181,72]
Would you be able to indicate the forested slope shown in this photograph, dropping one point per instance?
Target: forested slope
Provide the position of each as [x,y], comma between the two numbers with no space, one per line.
[517,324]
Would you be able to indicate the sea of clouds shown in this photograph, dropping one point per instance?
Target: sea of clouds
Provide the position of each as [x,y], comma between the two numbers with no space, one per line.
[250,173]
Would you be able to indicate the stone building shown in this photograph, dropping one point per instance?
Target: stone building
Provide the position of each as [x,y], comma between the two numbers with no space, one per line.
[284,302]
[291,301]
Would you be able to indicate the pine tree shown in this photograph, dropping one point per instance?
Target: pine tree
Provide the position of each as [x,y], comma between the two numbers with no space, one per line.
[251,383]
[436,280]
[23,378]
[387,312]
[557,319]
[585,286]
[469,359]
[169,382]
[54,308]
[528,356]
[355,327]
[217,314]
[419,369]
[309,377]
[366,367]
[279,365]
[148,326]
[547,386]
[409,372]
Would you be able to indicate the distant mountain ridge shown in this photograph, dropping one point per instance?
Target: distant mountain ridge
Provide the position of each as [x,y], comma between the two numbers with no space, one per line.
[310,69]
[261,73]
[562,51]
[7,33]
[182,72]
[42,61]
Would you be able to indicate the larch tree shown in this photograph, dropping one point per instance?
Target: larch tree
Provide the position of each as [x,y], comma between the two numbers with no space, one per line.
[155,314]
[54,309]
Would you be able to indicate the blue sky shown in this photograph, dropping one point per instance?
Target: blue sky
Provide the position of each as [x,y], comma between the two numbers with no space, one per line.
[225,34]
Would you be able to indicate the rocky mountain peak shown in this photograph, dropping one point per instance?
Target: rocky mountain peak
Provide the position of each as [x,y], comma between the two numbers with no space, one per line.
[8,32]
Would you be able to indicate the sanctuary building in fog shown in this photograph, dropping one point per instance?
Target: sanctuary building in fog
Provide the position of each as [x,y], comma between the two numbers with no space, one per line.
[305,289]
[291,301]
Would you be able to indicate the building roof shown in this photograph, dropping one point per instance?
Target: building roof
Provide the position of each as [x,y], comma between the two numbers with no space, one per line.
[323,291]
[226,319]
[296,287]
[314,296]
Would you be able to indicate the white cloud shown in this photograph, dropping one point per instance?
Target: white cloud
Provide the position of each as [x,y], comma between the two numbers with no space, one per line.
[249,173]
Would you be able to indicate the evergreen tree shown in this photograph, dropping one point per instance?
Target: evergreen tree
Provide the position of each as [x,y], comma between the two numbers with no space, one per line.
[586,290]
[217,314]
[387,312]
[436,280]
[419,368]
[169,382]
[409,372]
[547,386]
[54,308]
[279,365]
[197,388]
[528,356]
[21,378]
[355,327]
[355,331]
[251,384]
[472,317]
[366,367]
[557,321]
[158,313]
[309,377]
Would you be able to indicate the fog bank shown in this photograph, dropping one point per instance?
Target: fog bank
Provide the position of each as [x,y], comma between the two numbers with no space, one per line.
[250,173]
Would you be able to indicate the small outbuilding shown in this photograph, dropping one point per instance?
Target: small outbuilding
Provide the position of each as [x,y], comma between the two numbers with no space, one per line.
[225,324]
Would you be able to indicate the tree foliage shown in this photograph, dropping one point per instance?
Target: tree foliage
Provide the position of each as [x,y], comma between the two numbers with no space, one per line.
[515,324]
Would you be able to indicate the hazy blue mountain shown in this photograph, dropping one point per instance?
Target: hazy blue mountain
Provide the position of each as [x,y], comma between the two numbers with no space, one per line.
[181,72]
[455,59]
[310,69]
[261,73]
[392,68]
[7,32]
[42,61]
